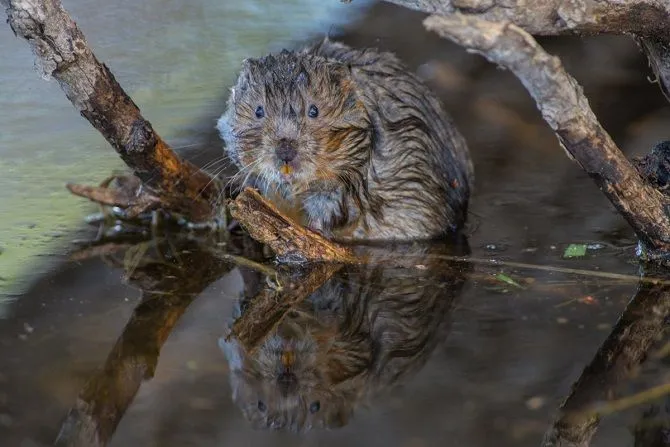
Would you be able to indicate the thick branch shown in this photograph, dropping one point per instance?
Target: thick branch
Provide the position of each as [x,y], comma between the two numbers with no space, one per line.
[287,239]
[646,19]
[552,17]
[565,108]
[62,53]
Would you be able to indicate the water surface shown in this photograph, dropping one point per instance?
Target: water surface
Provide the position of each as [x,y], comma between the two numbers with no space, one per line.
[487,361]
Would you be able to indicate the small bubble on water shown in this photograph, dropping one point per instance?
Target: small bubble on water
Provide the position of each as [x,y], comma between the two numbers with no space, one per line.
[535,403]
[202,403]
[192,365]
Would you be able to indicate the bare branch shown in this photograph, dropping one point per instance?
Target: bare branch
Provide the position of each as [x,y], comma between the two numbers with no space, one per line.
[552,17]
[647,19]
[565,108]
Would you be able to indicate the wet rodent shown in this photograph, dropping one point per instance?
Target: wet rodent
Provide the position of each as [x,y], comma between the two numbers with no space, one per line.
[352,139]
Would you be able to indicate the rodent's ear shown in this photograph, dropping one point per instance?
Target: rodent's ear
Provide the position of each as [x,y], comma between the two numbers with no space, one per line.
[250,66]
[339,73]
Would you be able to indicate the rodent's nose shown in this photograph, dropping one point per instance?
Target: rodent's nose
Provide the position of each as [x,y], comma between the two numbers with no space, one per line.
[286,150]
[287,383]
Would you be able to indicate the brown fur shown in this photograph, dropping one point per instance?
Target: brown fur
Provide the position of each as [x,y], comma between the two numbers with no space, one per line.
[382,160]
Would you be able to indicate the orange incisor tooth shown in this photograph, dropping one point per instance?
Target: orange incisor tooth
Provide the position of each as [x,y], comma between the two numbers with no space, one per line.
[285,169]
[287,358]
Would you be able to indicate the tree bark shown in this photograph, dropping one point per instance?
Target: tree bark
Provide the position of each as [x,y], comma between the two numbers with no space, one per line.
[554,17]
[649,20]
[287,239]
[62,53]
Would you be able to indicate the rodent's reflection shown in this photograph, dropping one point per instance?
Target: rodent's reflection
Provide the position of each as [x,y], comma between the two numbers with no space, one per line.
[363,331]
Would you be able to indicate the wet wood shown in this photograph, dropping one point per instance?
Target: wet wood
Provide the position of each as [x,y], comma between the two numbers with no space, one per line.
[290,241]
[643,322]
[564,107]
[62,53]
[555,17]
[658,53]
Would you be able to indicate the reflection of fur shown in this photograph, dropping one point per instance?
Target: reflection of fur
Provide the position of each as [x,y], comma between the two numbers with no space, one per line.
[361,332]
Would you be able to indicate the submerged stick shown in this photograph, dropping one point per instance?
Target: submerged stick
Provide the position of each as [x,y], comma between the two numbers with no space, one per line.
[62,53]
[565,108]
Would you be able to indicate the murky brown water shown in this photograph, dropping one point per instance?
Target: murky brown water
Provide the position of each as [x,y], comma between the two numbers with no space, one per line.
[445,351]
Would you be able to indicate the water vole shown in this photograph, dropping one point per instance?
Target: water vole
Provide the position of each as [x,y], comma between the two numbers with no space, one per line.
[351,138]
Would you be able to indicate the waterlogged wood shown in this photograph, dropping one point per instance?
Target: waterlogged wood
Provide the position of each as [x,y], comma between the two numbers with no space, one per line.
[263,221]
[62,53]
[565,108]
[643,322]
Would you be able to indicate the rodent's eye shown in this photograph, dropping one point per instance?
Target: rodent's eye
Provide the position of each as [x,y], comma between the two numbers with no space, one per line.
[261,406]
[314,407]
[313,111]
[260,112]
